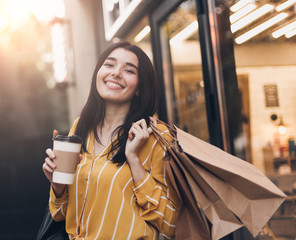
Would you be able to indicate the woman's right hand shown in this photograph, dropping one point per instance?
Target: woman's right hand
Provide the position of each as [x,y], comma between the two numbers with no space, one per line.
[48,168]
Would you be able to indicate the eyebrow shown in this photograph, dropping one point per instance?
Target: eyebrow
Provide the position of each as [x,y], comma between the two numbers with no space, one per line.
[127,63]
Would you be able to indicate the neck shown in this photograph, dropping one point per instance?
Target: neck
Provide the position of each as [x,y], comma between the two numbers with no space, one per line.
[115,115]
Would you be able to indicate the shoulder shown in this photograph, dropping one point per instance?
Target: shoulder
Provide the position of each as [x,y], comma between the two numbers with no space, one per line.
[161,131]
[154,148]
[75,122]
[74,125]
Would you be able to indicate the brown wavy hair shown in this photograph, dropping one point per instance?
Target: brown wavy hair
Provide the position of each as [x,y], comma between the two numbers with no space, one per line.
[143,105]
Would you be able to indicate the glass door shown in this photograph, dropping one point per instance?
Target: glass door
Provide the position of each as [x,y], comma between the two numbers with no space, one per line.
[182,70]
[260,38]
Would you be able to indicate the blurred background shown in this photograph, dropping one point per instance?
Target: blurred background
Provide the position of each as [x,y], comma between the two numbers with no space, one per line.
[226,68]
[32,104]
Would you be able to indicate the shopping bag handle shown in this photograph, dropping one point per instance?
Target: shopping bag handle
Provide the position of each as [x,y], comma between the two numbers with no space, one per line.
[159,134]
[171,128]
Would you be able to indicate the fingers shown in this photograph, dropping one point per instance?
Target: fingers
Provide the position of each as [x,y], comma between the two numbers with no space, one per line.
[48,165]
[55,132]
[140,125]
[133,132]
[50,153]
[48,168]
[131,135]
[143,124]
[139,129]
[153,120]
[150,130]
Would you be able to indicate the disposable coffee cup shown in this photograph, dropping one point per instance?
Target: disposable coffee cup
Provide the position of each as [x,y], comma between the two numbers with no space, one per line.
[66,150]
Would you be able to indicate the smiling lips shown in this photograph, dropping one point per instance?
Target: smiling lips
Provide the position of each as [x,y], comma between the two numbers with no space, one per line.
[113,85]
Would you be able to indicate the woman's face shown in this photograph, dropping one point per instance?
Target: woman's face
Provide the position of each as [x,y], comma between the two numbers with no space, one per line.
[117,79]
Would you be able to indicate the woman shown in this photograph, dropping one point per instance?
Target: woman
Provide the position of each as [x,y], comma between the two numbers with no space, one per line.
[120,189]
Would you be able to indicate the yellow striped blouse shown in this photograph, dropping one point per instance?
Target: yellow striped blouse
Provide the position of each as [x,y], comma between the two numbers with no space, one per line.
[104,203]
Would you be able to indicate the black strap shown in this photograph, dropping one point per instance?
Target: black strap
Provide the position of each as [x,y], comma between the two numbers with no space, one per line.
[51,230]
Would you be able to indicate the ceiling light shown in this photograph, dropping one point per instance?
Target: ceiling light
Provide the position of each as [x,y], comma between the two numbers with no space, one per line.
[185,33]
[242,12]
[284,30]
[260,28]
[285,5]
[291,33]
[251,17]
[282,127]
[144,32]
[240,4]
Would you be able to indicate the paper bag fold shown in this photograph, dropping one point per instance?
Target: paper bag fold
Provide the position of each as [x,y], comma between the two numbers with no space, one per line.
[230,192]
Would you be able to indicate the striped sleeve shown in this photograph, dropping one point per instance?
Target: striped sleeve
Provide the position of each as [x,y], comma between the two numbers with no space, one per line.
[159,203]
[58,206]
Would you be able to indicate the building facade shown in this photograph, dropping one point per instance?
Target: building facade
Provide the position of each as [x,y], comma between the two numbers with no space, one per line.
[227,71]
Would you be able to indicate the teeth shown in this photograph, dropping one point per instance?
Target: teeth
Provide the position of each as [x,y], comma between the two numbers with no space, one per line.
[113,84]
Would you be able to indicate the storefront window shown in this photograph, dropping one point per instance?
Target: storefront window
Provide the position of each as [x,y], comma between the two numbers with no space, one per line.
[140,36]
[182,67]
[264,38]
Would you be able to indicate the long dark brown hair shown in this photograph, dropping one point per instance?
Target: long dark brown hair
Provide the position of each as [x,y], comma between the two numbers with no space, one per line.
[143,105]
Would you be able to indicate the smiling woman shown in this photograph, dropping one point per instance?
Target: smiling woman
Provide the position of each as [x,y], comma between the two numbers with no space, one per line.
[120,189]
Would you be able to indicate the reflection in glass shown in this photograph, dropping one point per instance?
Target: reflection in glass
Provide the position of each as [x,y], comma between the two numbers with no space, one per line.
[140,36]
[184,86]
[264,49]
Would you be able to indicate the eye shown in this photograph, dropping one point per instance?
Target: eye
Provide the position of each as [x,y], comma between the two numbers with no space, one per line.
[108,64]
[131,71]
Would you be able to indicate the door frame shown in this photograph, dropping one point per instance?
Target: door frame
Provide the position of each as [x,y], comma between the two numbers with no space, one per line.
[211,94]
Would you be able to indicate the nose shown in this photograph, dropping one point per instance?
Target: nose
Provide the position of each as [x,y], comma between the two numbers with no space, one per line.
[116,72]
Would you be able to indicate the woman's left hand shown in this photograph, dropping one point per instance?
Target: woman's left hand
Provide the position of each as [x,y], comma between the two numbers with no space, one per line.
[137,136]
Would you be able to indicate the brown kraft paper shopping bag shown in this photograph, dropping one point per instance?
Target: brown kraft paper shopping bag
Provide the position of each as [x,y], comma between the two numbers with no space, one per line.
[223,220]
[230,191]
[191,224]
